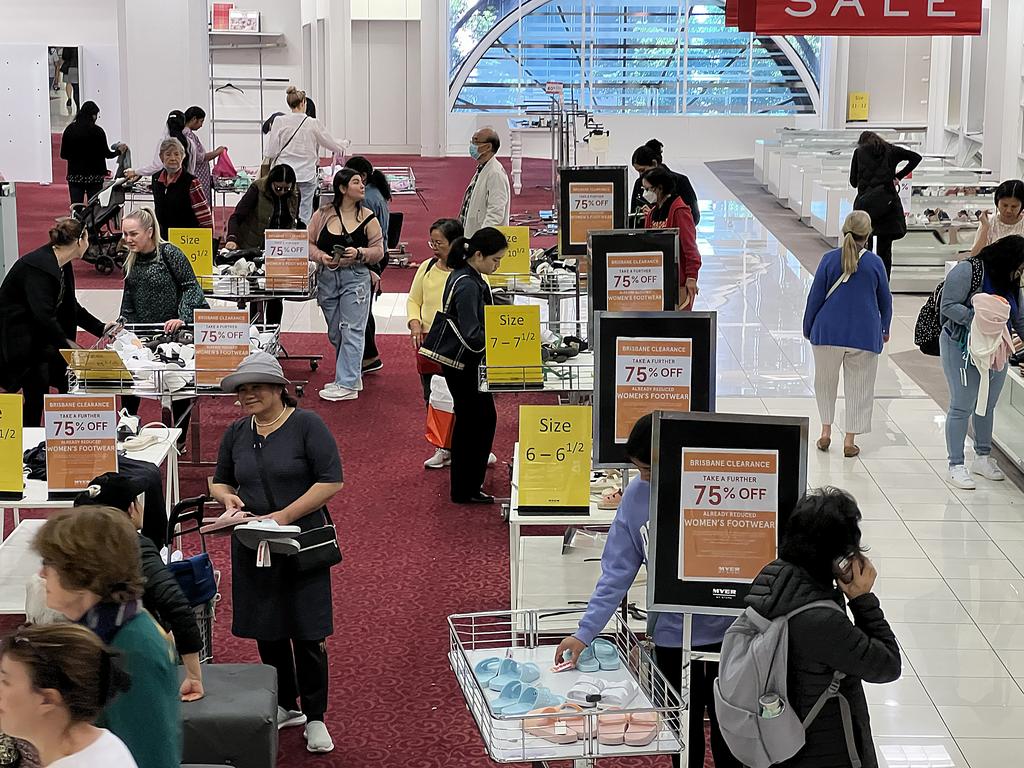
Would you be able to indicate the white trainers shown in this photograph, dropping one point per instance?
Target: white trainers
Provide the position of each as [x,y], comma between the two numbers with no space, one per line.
[288,718]
[441,458]
[491,460]
[986,467]
[960,477]
[318,739]
[334,393]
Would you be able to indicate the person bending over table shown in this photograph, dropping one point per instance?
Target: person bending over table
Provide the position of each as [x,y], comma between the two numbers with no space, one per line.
[162,597]
[40,315]
[282,463]
[159,288]
[270,203]
[91,566]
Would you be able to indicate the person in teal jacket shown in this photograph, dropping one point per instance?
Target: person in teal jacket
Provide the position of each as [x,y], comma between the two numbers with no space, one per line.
[91,566]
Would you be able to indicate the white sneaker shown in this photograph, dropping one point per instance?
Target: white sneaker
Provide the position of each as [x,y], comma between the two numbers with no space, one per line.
[491,460]
[288,718]
[318,739]
[441,458]
[338,393]
[960,477]
[986,467]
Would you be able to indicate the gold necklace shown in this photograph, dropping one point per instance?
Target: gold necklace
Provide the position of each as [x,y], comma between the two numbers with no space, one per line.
[271,423]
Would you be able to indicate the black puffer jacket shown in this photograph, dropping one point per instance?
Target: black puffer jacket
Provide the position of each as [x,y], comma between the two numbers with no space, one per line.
[821,642]
[869,171]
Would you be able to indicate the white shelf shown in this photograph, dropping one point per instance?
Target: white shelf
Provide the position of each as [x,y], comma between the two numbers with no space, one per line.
[242,33]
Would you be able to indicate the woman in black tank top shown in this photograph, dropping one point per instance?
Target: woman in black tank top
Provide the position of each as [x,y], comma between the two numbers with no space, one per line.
[345,238]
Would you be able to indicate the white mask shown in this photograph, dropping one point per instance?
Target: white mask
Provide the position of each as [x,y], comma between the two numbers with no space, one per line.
[650,196]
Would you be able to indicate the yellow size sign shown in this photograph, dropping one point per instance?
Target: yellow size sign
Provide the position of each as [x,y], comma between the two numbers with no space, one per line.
[517,260]
[513,345]
[554,458]
[197,244]
[857,108]
[12,479]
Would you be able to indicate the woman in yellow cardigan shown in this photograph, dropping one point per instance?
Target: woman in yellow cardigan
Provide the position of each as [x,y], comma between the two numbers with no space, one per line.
[424,302]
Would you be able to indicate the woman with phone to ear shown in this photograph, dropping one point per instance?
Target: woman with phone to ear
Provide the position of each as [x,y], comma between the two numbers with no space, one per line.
[821,559]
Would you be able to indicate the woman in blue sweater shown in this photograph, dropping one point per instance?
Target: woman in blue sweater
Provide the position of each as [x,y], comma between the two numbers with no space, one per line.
[849,311]
[624,553]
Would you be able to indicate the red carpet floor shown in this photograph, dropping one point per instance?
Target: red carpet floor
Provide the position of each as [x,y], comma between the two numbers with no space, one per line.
[442,183]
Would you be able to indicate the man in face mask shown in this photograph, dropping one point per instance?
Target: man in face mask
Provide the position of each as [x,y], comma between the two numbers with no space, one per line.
[488,198]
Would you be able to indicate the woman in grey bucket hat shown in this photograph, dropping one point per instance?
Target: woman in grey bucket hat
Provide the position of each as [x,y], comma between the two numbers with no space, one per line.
[281,463]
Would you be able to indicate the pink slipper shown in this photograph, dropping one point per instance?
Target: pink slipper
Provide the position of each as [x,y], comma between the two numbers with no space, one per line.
[643,729]
[611,728]
[610,499]
[555,726]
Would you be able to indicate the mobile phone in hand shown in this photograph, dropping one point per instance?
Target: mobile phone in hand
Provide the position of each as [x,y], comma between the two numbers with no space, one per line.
[842,567]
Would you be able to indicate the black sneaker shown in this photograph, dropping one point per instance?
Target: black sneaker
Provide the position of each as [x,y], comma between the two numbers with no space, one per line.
[373,367]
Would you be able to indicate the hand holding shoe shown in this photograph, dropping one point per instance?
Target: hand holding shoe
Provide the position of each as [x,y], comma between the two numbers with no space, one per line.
[572,644]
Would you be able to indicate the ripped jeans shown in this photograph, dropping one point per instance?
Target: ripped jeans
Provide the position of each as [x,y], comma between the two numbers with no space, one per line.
[343,296]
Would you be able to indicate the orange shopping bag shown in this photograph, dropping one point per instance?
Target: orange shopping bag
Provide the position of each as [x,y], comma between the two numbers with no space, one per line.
[440,414]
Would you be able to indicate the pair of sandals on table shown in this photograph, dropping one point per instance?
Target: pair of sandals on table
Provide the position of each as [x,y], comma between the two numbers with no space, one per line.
[565,724]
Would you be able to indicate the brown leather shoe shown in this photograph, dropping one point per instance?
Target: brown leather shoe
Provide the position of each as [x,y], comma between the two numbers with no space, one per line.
[824,443]
[851,451]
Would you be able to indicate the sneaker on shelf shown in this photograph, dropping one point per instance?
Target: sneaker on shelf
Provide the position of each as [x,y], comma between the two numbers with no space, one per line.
[441,458]
[338,393]
[318,739]
[960,477]
[288,718]
[986,467]
[491,460]
[373,367]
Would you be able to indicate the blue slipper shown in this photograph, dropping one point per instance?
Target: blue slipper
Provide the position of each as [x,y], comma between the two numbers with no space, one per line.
[587,662]
[533,698]
[485,670]
[606,654]
[512,671]
[509,696]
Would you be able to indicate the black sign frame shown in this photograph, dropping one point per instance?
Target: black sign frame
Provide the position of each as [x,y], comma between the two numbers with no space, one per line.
[602,242]
[616,175]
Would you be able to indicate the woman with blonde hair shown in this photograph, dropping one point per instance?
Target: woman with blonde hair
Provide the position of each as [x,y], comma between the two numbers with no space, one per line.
[295,140]
[849,311]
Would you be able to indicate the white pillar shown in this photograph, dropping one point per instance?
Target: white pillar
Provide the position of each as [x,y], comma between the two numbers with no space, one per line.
[1003,87]
[834,81]
[939,78]
[433,78]
[339,64]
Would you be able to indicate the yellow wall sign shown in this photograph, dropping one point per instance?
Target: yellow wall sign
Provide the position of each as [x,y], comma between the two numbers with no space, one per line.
[857,108]
[554,458]
[513,345]
[197,244]
[12,478]
[517,260]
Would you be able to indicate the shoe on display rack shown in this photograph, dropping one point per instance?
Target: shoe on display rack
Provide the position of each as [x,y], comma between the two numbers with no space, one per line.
[318,738]
[960,477]
[337,393]
[289,718]
[442,458]
[986,467]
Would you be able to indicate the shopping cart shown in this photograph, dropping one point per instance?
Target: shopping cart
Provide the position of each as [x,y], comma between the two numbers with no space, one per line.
[187,517]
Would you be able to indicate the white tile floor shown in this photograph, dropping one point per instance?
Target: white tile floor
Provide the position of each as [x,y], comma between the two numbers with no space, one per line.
[951,563]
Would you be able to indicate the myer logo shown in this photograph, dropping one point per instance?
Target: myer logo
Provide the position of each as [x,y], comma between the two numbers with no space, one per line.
[723,594]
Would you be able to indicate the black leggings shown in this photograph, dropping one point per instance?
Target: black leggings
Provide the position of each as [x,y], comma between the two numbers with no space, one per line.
[36,383]
[473,433]
[883,247]
[702,680]
[82,193]
[370,351]
[301,673]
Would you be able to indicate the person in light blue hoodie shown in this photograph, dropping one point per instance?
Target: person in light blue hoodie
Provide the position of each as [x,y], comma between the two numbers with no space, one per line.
[624,553]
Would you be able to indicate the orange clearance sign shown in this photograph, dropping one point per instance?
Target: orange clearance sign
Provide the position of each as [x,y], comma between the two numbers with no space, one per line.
[860,17]
[591,206]
[286,259]
[730,511]
[222,342]
[650,375]
[81,439]
[636,281]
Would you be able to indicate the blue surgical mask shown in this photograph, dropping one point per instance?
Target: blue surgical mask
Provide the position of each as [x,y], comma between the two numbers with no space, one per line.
[474,151]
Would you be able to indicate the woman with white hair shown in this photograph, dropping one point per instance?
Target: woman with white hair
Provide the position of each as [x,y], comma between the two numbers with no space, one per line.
[178,196]
[847,320]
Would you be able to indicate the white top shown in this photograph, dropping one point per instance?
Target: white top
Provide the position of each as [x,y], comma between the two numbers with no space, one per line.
[997,230]
[303,151]
[107,751]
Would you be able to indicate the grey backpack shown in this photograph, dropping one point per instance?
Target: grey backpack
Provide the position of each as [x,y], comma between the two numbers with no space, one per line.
[754,714]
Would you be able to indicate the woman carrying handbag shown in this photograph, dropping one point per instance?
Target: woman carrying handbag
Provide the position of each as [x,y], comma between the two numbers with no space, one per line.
[456,340]
[849,311]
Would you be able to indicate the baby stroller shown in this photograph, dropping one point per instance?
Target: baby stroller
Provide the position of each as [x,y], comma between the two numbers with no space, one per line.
[101,217]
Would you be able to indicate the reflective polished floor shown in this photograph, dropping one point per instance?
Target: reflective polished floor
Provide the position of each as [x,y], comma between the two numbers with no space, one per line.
[950,562]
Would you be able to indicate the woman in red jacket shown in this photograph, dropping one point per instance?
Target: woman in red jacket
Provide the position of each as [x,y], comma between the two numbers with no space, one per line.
[668,211]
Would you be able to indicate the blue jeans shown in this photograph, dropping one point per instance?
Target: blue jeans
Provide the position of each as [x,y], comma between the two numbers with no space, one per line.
[962,401]
[343,296]
[306,191]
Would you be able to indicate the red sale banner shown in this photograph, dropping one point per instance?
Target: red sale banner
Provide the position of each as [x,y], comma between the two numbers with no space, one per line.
[746,12]
[865,17]
[732,13]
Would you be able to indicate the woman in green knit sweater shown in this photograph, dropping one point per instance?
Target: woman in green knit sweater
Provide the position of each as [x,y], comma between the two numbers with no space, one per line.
[91,566]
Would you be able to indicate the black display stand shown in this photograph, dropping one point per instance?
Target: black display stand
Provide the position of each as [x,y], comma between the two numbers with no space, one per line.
[666,592]
[572,241]
[699,327]
[616,241]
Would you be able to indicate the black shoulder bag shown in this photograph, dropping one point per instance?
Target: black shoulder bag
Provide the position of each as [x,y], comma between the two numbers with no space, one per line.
[318,547]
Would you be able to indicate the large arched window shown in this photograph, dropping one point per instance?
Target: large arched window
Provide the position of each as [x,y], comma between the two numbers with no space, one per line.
[662,57]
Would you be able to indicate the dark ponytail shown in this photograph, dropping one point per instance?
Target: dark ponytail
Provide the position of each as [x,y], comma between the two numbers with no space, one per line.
[176,130]
[65,231]
[488,241]
[649,153]
[364,167]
